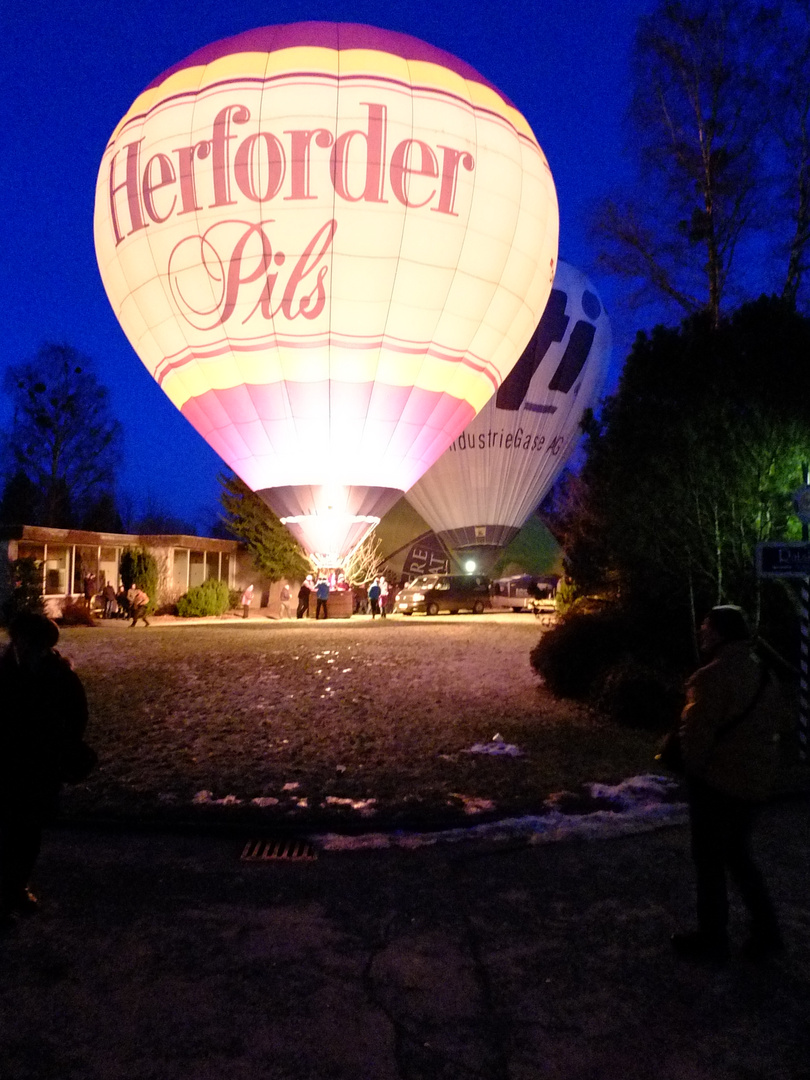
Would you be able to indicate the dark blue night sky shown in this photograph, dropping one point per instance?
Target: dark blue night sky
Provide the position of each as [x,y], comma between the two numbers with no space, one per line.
[69,72]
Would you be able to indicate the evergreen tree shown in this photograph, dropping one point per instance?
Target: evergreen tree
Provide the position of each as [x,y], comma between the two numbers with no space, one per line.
[139,567]
[694,461]
[62,436]
[20,502]
[275,552]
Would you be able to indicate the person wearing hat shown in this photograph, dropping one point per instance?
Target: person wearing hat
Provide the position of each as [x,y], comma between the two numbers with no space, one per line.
[43,712]
[729,741]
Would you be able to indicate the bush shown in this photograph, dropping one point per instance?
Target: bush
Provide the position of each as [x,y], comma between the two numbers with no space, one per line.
[76,615]
[627,665]
[210,598]
[574,656]
[234,599]
[25,580]
[139,567]
[639,696]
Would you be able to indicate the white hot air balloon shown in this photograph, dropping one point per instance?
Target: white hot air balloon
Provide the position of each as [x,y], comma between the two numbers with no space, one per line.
[486,485]
[329,244]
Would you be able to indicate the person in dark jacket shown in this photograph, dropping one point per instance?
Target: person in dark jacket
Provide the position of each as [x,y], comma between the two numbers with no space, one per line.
[307,587]
[729,737]
[43,710]
[374,598]
[322,594]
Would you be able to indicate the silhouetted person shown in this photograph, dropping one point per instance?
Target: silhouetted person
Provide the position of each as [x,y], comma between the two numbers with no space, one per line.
[383,597]
[730,746]
[307,587]
[43,710]
[89,589]
[322,601]
[374,592]
[110,602]
[123,602]
[138,603]
[284,598]
[247,600]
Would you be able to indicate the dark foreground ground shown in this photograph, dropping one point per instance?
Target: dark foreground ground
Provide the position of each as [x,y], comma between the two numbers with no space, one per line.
[160,957]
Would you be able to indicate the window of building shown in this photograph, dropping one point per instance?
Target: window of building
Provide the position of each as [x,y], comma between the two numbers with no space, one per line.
[108,567]
[225,567]
[30,551]
[211,564]
[180,571]
[85,562]
[57,566]
[196,569]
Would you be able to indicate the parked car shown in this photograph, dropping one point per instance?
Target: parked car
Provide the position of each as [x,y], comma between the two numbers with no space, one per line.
[524,592]
[433,593]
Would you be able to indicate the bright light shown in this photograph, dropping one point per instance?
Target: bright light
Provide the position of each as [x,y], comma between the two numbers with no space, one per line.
[469,566]
[329,244]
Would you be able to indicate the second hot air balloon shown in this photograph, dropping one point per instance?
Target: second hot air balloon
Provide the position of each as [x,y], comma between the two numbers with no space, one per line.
[329,244]
[494,475]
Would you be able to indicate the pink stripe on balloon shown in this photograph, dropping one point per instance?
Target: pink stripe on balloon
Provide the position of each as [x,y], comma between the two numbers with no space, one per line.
[405,427]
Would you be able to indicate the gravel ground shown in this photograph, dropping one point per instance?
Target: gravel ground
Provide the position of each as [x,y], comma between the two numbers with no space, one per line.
[349,719]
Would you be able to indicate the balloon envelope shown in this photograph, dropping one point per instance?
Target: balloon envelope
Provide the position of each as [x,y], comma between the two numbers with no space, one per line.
[329,244]
[486,485]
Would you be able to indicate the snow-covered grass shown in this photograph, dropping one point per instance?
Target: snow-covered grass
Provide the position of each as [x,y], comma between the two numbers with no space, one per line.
[335,720]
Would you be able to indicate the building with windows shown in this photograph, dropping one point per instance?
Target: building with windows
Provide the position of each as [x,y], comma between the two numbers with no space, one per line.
[68,556]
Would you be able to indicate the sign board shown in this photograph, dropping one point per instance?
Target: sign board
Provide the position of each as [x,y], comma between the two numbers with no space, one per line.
[790,559]
[801,500]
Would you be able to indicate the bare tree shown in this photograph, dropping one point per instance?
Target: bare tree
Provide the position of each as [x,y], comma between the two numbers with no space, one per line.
[365,563]
[720,124]
[787,77]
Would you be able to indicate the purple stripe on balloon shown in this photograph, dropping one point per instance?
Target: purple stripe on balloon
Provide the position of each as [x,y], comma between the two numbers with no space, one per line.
[328,35]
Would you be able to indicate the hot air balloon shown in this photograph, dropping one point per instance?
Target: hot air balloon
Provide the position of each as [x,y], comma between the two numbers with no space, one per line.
[329,244]
[493,476]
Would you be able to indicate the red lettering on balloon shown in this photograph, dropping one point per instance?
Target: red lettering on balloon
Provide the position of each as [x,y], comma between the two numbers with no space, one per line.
[261,167]
[234,263]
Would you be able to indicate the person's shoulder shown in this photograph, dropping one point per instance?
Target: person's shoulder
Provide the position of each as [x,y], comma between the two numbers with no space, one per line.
[705,673]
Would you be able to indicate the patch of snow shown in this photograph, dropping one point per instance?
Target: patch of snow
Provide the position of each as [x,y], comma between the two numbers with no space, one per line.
[643,803]
[473,805]
[495,748]
[207,798]
[365,807]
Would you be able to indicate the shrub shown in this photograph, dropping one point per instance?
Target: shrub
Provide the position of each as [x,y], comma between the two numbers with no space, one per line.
[76,615]
[210,598]
[637,695]
[572,658]
[25,581]
[234,599]
[140,567]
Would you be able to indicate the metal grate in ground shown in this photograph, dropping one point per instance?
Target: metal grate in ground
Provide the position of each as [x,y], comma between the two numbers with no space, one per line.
[290,849]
